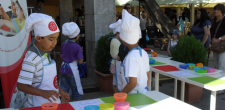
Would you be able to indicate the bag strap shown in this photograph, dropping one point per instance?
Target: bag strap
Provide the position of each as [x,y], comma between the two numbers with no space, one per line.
[217,28]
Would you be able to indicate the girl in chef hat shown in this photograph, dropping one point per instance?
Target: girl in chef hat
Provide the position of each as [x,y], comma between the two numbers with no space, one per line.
[38,76]
[72,54]
[16,24]
[135,65]
[114,50]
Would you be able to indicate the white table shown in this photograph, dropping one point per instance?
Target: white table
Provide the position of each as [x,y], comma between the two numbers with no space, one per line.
[183,79]
[164,102]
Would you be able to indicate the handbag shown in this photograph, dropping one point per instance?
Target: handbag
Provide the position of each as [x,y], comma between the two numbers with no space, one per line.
[218,47]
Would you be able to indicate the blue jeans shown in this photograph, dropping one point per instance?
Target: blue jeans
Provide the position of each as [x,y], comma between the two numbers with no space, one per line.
[67,82]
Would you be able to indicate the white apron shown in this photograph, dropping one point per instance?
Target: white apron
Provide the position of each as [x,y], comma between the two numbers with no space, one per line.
[74,68]
[48,82]
[124,81]
[120,79]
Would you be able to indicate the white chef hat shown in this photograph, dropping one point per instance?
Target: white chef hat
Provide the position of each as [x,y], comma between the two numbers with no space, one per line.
[42,24]
[70,29]
[129,29]
[23,5]
[115,26]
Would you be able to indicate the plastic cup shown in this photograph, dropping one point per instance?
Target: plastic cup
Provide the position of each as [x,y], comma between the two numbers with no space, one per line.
[120,96]
[192,67]
[106,106]
[92,107]
[201,70]
[183,66]
[205,67]
[196,68]
[49,106]
[122,105]
[151,61]
[199,65]
[154,54]
[211,70]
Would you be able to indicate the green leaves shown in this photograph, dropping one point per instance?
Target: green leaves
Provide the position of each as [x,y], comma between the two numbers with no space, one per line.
[102,55]
[189,50]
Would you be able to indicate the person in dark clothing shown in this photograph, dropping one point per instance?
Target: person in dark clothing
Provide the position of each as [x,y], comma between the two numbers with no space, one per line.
[123,51]
[143,22]
[38,8]
[78,13]
[173,17]
[219,61]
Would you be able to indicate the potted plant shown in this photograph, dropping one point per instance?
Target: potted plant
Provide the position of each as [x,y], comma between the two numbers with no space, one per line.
[190,50]
[102,58]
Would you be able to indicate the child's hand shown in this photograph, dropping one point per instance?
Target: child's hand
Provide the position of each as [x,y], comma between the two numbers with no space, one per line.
[50,94]
[65,96]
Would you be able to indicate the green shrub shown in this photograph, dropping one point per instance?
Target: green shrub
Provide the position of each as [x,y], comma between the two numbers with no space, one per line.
[102,55]
[189,50]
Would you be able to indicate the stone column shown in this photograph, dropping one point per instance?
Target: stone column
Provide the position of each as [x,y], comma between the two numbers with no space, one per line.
[66,14]
[192,14]
[99,14]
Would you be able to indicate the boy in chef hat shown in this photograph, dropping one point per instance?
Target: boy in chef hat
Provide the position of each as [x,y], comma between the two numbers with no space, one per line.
[114,50]
[72,54]
[38,76]
[135,64]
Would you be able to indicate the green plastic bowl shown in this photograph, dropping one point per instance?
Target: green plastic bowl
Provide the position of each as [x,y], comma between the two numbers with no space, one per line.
[202,70]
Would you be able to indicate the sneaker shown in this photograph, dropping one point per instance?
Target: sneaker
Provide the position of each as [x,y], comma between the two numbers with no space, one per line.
[220,92]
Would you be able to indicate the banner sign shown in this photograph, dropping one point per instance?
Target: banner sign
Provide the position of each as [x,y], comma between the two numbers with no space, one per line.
[13,42]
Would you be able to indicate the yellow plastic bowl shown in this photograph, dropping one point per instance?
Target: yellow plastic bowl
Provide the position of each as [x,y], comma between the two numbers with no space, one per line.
[192,67]
[106,106]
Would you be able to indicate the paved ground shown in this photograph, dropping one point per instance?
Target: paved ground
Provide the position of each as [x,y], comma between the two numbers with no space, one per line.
[167,88]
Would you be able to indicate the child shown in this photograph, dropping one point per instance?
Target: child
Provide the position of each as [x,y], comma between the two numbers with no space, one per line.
[172,43]
[71,53]
[114,50]
[38,76]
[16,24]
[135,64]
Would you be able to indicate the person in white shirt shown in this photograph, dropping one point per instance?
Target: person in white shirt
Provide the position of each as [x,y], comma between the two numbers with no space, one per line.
[114,50]
[136,64]
[143,22]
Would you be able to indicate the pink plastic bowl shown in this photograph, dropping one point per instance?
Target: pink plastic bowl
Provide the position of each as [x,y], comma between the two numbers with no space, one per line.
[211,70]
[121,105]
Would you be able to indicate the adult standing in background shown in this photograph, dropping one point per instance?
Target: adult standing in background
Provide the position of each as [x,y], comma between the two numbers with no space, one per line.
[173,17]
[219,58]
[201,28]
[126,7]
[143,22]
[38,8]
[78,13]
[181,22]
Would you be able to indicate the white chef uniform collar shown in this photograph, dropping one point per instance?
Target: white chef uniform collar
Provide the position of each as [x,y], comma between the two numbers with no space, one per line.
[129,29]
[70,29]
[115,26]
[42,24]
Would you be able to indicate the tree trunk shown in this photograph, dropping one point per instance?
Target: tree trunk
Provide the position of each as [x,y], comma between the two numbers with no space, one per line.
[158,17]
